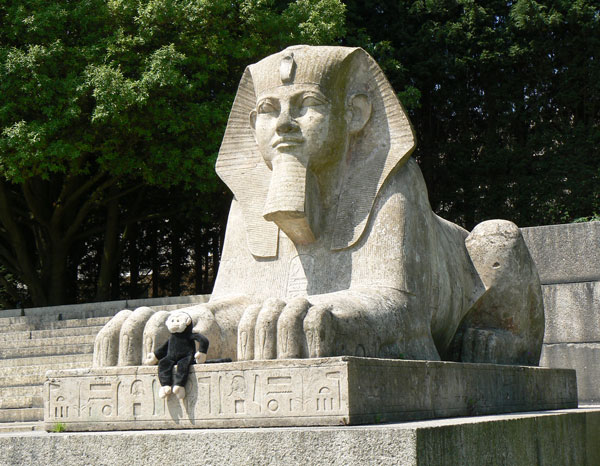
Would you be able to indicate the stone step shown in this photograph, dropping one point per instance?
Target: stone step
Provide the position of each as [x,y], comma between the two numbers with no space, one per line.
[39,369]
[84,359]
[21,414]
[30,426]
[46,342]
[55,350]
[52,333]
[21,401]
[22,380]
[99,309]
[25,390]
[48,314]
[37,323]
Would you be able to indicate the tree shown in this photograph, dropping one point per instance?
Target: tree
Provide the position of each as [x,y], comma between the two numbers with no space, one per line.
[504,96]
[100,100]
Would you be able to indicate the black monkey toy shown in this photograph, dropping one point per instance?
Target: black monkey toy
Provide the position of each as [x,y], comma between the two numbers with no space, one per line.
[183,348]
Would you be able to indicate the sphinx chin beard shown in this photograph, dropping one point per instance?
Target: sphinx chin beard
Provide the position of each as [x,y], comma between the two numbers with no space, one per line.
[291,201]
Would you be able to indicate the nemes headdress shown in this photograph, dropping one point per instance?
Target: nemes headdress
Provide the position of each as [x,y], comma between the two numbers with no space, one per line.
[386,141]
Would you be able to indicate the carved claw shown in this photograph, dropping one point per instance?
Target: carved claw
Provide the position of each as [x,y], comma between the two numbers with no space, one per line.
[480,346]
[318,328]
[151,360]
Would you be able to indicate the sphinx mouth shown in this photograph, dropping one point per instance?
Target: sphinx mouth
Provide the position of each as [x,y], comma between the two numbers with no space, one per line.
[282,143]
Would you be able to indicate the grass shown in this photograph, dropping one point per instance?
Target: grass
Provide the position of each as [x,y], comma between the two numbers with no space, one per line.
[58,427]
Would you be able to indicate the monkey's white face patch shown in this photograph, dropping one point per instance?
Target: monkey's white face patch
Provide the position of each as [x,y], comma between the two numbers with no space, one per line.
[177,322]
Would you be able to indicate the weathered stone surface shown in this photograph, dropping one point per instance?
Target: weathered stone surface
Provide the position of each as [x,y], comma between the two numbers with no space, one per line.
[83,359]
[565,253]
[330,391]
[504,264]
[585,359]
[106,308]
[572,312]
[560,438]
[331,245]
[22,337]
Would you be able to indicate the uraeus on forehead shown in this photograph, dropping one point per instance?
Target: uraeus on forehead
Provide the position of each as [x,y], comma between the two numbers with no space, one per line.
[319,66]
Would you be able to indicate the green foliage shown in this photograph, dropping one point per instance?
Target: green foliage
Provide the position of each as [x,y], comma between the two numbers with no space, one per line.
[58,427]
[592,218]
[103,98]
[505,99]
[132,87]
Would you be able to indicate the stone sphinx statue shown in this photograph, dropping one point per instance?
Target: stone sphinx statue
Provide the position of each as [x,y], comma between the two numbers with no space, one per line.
[331,245]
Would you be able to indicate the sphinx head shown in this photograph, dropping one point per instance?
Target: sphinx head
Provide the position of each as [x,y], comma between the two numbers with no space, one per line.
[313,133]
[302,122]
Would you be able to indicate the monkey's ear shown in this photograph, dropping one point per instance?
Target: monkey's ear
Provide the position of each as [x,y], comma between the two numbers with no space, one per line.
[358,112]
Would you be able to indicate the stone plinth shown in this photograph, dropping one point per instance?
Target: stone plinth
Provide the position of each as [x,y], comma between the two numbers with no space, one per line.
[585,359]
[301,392]
[550,438]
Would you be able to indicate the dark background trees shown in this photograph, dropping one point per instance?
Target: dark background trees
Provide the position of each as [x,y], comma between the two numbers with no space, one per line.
[505,99]
[112,112]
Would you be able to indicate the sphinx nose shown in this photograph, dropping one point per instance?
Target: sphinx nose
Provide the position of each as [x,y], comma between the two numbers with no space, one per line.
[285,122]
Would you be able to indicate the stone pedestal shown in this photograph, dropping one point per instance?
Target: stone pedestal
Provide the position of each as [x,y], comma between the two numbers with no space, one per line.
[302,392]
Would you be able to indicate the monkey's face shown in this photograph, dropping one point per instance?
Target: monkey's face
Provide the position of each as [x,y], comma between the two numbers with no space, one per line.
[177,322]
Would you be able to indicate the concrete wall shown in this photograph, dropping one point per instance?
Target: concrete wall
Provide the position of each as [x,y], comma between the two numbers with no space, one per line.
[568,261]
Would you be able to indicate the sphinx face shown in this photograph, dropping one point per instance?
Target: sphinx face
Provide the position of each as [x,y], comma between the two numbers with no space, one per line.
[299,132]
[297,121]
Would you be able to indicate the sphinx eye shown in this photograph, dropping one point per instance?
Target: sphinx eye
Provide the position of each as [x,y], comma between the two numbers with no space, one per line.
[312,101]
[266,106]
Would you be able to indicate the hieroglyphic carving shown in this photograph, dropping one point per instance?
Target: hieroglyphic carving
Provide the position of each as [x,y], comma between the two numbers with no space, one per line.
[300,268]
[212,394]
[100,398]
[328,391]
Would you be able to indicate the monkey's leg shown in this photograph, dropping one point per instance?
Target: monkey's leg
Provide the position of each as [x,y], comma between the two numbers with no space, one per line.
[183,369]
[165,371]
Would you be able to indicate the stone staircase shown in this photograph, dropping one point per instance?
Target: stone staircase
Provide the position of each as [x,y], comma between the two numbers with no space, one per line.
[59,338]
[30,346]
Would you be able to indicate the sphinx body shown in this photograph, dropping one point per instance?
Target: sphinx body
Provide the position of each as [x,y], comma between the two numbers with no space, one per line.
[331,245]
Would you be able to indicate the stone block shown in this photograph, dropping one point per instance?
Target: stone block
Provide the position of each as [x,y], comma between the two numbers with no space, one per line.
[326,391]
[572,312]
[585,359]
[557,438]
[565,253]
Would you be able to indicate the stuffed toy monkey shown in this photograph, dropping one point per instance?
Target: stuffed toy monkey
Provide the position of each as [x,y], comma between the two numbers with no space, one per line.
[182,349]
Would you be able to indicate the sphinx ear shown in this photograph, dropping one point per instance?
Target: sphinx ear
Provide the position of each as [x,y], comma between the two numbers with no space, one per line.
[252,117]
[358,112]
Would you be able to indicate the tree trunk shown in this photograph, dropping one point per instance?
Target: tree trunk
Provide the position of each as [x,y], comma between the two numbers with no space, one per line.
[134,261]
[153,236]
[58,274]
[176,257]
[110,252]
